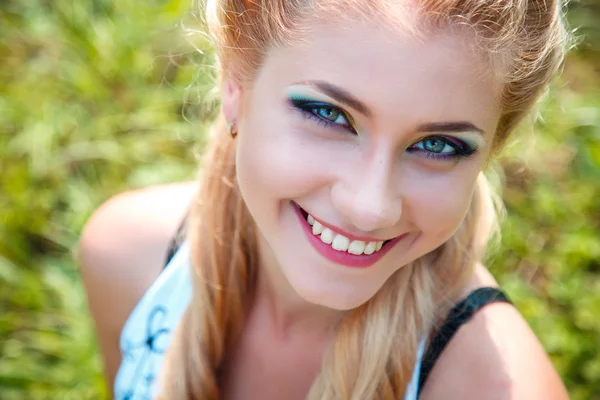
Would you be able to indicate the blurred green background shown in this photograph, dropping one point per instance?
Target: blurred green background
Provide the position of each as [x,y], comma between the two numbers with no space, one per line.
[102,96]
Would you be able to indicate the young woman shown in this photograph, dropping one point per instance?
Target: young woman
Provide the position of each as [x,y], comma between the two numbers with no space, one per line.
[333,248]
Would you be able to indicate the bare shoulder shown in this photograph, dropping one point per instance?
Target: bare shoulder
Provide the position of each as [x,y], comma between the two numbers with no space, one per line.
[493,356]
[121,252]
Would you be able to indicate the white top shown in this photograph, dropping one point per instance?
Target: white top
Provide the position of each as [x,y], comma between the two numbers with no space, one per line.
[147,332]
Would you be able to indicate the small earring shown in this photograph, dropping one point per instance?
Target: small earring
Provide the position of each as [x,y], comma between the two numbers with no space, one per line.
[232,129]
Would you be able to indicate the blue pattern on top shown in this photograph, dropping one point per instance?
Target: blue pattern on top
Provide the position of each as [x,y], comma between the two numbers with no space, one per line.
[147,332]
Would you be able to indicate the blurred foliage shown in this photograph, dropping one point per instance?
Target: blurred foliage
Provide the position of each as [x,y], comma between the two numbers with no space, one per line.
[99,97]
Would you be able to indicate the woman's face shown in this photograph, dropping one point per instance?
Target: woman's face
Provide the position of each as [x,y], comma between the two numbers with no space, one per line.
[358,152]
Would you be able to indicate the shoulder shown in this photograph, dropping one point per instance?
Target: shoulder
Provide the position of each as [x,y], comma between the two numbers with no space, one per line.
[495,355]
[124,243]
[121,252]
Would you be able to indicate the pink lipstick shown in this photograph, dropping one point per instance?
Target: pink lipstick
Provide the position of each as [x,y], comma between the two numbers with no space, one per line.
[342,257]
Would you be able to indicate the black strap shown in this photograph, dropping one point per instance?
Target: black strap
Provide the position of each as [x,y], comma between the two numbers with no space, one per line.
[460,314]
[177,240]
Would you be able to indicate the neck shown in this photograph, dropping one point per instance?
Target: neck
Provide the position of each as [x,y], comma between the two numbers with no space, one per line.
[287,313]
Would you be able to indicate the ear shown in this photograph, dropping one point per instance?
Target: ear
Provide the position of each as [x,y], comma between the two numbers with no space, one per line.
[231,98]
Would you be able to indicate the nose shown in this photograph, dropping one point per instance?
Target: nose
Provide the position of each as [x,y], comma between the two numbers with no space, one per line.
[368,196]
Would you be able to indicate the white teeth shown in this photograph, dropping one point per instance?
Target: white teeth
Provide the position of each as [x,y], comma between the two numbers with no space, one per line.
[356,247]
[317,228]
[370,248]
[327,236]
[340,243]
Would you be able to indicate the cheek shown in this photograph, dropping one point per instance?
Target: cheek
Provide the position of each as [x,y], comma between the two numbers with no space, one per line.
[278,159]
[269,163]
[438,206]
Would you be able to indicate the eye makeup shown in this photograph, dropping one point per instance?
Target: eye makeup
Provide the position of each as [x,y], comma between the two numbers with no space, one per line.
[320,111]
[317,108]
[444,147]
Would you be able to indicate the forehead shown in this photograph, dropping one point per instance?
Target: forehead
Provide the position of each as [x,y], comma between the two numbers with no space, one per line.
[396,72]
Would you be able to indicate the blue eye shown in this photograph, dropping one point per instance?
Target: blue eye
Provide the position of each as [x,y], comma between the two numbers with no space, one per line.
[329,113]
[322,113]
[442,148]
[435,145]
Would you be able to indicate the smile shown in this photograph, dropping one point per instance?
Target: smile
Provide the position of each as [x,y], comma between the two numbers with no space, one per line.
[343,248]
[340,242]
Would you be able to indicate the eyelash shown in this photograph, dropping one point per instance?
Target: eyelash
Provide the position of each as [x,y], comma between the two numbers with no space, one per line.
[461,149]
[306,108]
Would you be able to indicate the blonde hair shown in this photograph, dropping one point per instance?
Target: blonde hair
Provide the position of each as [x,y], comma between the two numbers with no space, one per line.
[364,360]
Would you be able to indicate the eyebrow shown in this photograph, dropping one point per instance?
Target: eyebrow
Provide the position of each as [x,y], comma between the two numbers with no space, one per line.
[461,126]
[341,95]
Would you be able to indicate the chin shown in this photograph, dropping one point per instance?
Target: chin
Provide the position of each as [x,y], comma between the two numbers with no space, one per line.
[334,297]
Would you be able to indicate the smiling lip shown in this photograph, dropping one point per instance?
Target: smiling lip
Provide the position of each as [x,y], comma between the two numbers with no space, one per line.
[344,233]
[343,257]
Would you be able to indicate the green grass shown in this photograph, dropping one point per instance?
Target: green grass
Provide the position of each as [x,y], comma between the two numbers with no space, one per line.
[99,97]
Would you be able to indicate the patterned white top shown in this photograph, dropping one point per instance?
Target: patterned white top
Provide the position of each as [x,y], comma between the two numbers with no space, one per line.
[147,332]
